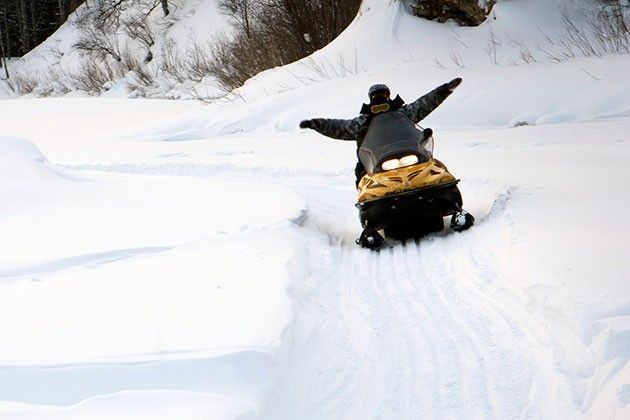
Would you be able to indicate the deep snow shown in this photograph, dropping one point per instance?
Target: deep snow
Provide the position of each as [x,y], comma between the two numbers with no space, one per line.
[175,260]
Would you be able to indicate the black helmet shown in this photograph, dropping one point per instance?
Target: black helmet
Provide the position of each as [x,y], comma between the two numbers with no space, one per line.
[377,89]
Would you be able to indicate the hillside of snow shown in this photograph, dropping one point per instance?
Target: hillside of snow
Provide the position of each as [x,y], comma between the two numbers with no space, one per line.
[57,67]
[179,260]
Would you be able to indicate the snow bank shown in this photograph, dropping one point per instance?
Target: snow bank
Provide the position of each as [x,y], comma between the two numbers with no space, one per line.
[158,405]
[111,282]
[22,164]
[93,215]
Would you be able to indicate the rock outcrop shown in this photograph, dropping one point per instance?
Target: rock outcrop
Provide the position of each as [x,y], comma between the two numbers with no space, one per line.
[464,12]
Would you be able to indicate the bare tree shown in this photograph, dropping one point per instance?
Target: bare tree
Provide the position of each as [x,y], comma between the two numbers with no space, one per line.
[275,32]
[4,39]
[240,11]
[3,59]
[62,11]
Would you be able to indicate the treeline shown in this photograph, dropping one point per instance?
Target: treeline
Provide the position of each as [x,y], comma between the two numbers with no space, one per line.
[24,24]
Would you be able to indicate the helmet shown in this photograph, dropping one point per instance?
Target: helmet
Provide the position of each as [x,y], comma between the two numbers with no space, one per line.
[376,89]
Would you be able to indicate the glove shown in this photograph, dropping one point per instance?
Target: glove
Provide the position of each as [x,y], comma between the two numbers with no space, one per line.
[454,83]
[305,124]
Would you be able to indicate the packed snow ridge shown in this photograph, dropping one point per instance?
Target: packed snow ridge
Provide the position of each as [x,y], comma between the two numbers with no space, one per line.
[177,260]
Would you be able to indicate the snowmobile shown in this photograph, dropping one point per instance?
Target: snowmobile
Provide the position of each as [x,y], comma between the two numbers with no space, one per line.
[405,192]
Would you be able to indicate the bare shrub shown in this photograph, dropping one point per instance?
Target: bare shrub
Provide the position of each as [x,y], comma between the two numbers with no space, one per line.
[326,69]
[456,58]
[272,33]
[24,83]
[101,24]
[525,53]
[238,59]
[140,78]
[138,29]
[137,68]
[126,64]
[492,47]
[92,76]
[607,32]
[100,43]
[52,82]
[143,76]
[98,28]
[439,64]
[56,52]
[314,71]
[611,29]
[192,64]
[527,56]
[198,62]
[171,62]
[107,13]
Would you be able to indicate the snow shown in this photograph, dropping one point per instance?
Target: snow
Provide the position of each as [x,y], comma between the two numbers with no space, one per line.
[52,67]
[116,280]
[139,404]
[172,259]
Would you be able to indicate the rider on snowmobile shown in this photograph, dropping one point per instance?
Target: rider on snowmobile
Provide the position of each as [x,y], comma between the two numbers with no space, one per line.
[380,102]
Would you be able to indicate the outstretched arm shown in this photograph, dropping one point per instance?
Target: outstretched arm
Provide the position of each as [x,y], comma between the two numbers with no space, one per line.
[334,128]
[423,106]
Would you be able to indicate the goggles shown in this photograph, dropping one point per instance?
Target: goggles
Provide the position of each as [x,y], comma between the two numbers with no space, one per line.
[377,109]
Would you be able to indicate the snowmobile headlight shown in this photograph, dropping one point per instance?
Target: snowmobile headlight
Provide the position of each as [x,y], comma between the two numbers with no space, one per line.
[390,164]
[408,160]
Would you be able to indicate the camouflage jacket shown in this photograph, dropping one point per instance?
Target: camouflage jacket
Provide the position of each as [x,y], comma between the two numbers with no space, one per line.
[356,128]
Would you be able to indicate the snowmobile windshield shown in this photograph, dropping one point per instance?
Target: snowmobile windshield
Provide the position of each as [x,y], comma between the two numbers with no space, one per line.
[393,136]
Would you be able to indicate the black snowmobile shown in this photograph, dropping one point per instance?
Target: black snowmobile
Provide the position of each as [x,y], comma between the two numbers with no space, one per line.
[405,192]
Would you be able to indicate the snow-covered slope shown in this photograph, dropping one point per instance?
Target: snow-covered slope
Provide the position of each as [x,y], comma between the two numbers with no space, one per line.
[172,260]
[55,67]
[385,44]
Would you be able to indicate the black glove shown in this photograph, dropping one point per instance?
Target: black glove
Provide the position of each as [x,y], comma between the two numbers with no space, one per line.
[454,83]
[305,124]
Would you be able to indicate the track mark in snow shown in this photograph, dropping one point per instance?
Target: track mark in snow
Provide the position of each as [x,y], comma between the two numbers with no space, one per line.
[233,171]
[422,346]
[472,374]
[89,260]
[624,394]
[435,329]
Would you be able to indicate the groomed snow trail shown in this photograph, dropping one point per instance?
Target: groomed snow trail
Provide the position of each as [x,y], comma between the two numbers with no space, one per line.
[420,330]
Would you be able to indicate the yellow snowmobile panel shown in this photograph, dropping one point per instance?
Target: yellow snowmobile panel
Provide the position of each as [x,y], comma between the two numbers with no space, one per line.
[407,178]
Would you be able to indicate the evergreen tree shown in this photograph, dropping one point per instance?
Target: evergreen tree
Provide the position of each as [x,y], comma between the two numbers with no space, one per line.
[24,24]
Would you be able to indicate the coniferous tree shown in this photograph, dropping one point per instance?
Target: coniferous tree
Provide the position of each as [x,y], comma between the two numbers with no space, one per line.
[25,24]
[3,58]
